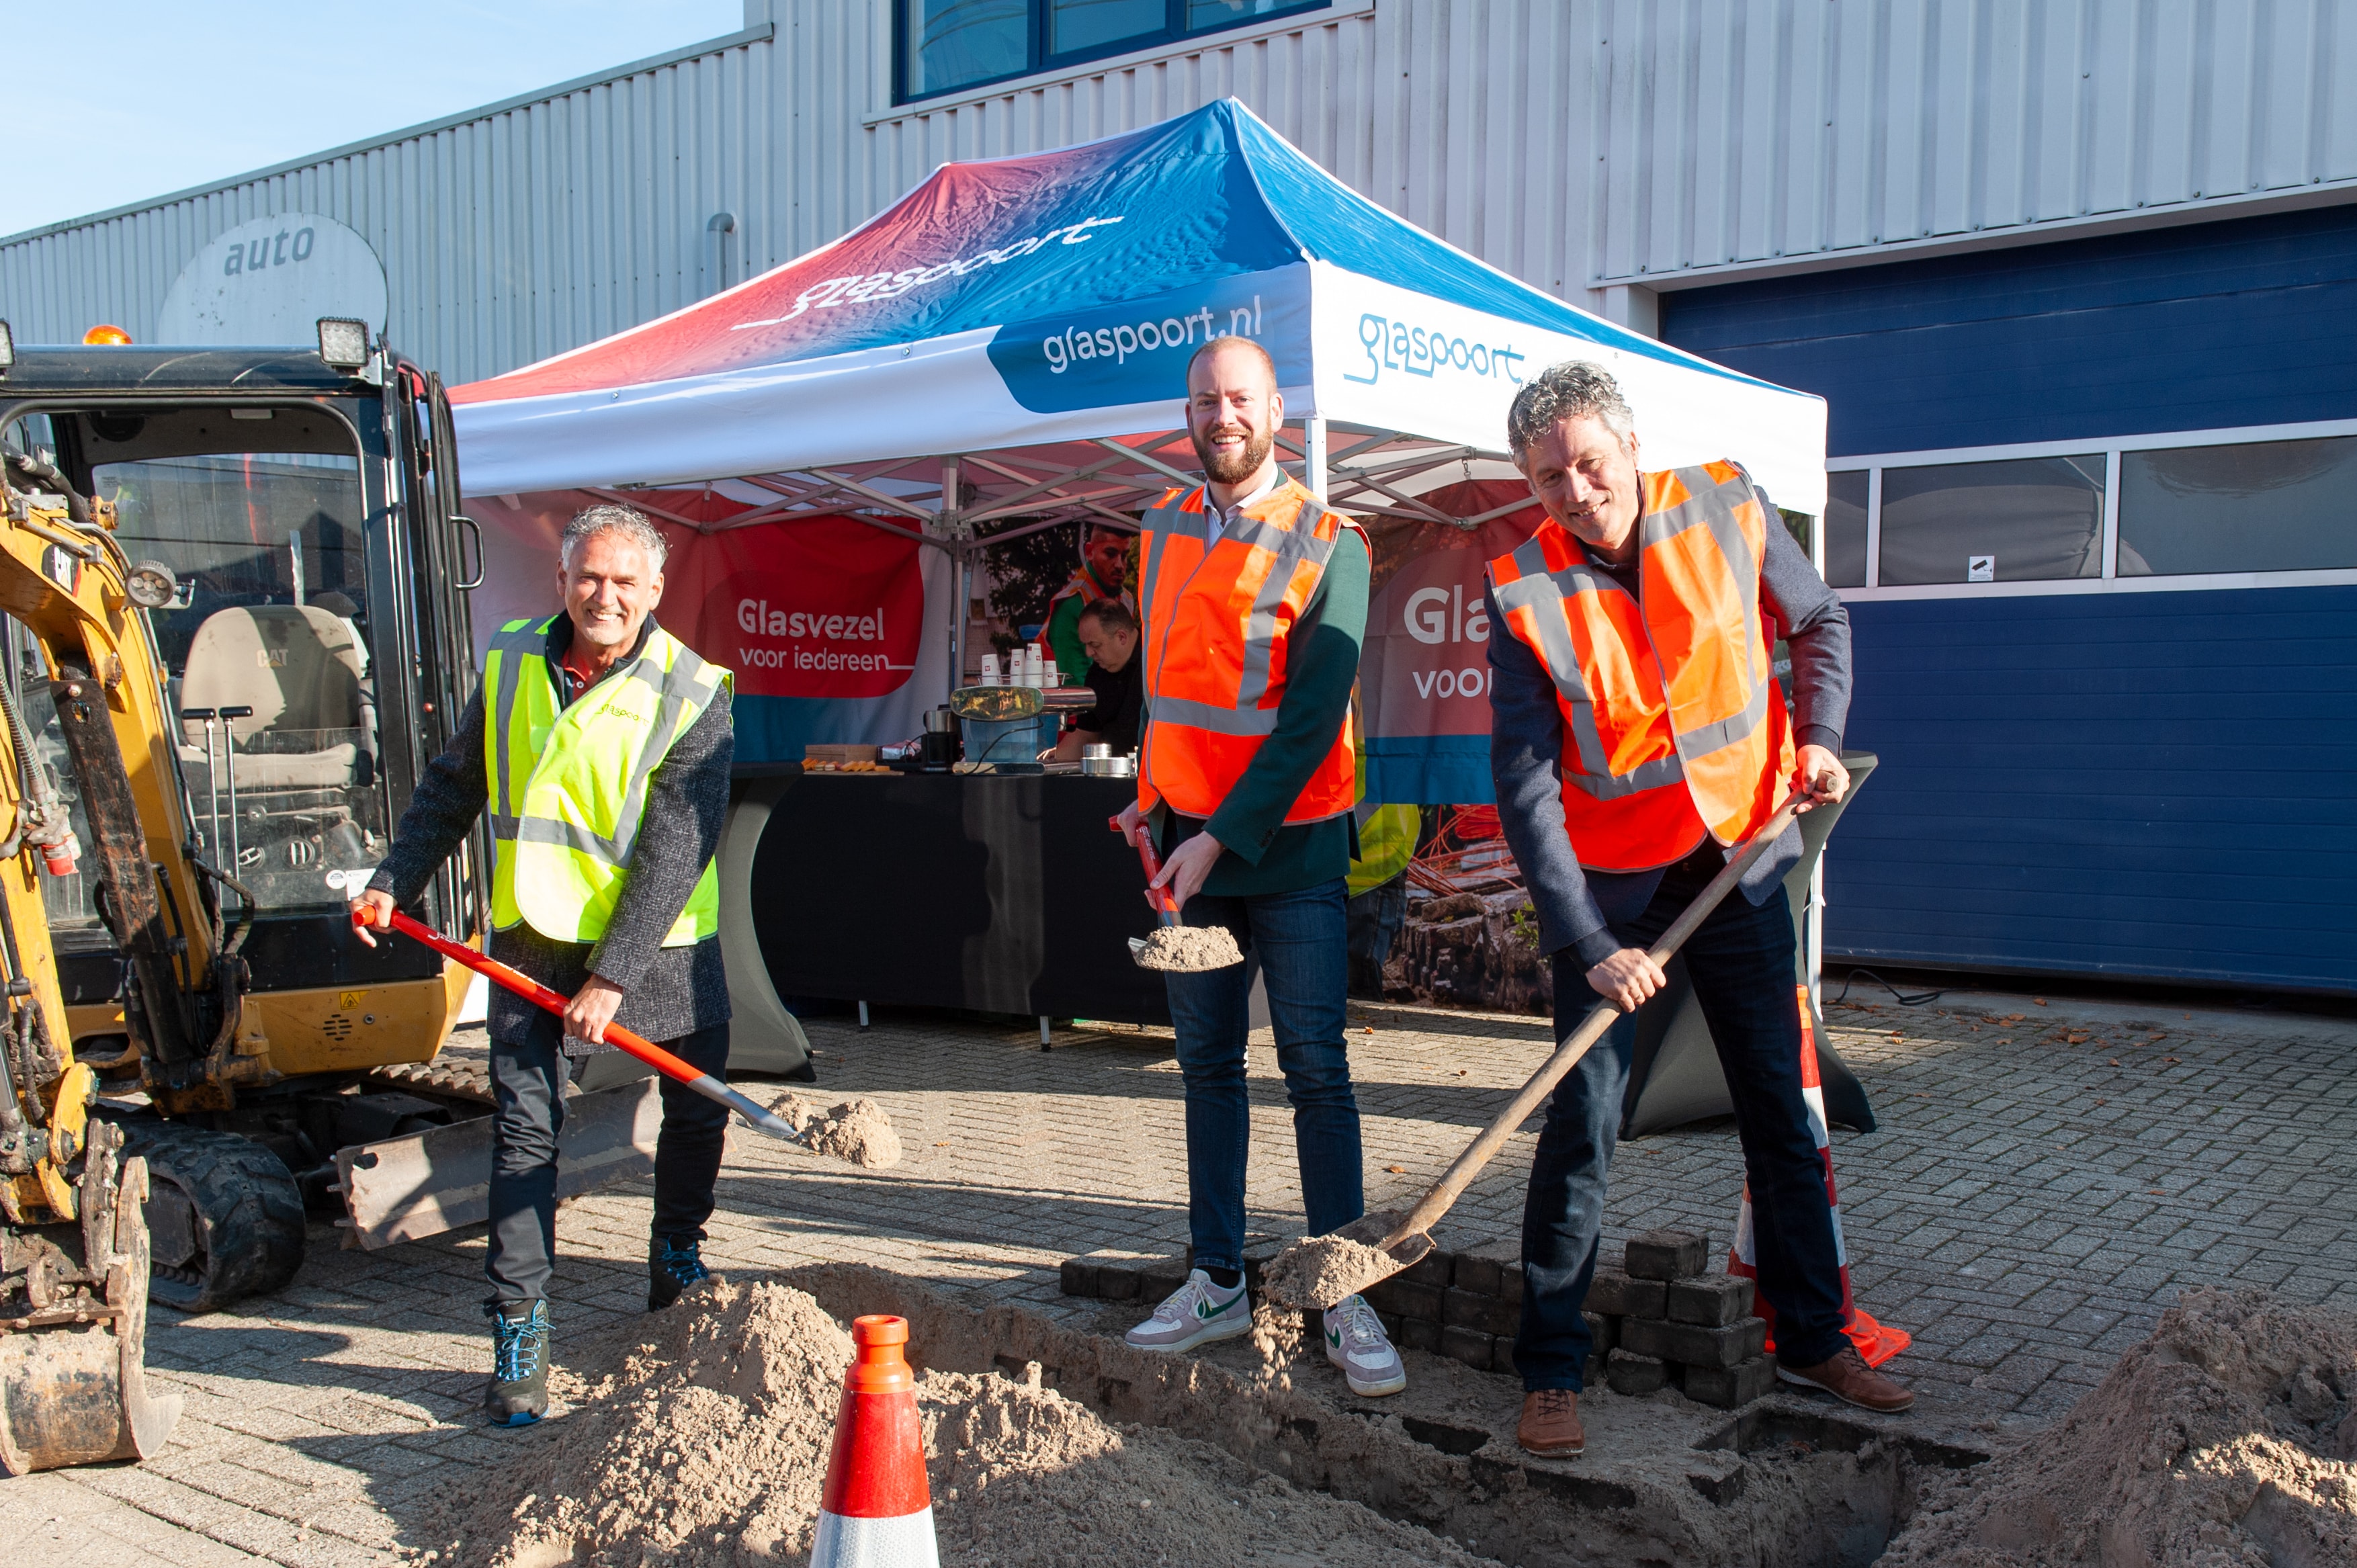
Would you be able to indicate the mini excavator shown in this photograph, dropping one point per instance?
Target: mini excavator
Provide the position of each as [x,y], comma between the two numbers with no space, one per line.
[234,583]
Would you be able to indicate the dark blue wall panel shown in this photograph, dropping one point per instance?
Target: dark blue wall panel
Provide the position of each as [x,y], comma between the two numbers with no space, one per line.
[2203,327]
[2128,784]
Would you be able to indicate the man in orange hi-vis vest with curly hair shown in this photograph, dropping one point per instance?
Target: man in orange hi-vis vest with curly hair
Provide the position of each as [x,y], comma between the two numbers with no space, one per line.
[1254,600]
[1637,735]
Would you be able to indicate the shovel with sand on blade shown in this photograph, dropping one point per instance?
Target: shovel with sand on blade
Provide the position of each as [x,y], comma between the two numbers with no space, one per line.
[1321,1271]
[1175,949]
[875,1145]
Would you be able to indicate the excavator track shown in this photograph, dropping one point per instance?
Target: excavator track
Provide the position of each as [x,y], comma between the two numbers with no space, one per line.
[224,1215]
[452,1077]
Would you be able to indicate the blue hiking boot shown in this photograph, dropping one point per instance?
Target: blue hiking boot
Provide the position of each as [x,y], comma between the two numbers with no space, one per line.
[519,1391]
[674,1263]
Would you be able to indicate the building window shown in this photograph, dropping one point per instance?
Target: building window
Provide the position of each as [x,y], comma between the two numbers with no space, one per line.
[2269,506]
[944,45]
[1846,497]
[2026,520]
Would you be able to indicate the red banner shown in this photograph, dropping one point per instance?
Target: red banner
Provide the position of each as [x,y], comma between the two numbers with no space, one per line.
[813,608]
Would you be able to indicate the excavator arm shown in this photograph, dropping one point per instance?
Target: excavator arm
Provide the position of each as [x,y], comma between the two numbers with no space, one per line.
[74,1262]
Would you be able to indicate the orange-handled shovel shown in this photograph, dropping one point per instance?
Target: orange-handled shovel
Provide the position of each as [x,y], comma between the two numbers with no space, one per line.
[646,1050]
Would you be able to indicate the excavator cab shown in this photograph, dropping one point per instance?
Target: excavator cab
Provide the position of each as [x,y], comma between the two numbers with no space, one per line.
[233,584]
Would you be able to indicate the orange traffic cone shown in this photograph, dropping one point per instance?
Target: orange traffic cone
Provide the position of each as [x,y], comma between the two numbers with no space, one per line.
[876,1512]
[1876,1342]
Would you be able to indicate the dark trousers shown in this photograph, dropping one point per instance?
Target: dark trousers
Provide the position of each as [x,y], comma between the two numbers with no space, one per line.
[1299,941]
[1741,962]
[527,1079]
[1376,917]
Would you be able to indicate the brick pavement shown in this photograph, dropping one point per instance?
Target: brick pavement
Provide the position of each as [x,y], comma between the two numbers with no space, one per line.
[2045,1181]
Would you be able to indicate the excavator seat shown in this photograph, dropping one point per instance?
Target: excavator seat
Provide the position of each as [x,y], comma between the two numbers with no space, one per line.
[298,667]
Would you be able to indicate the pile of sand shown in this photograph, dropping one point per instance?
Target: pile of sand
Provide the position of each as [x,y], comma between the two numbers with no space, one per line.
[1319,1270]
[856,1130]
[1188,950]
[2227,1439]
[701,1438]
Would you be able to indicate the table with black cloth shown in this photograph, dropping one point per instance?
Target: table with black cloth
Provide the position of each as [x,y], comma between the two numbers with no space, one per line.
[1001,893]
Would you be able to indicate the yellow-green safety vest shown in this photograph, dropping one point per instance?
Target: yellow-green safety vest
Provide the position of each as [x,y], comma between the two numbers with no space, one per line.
[1386,844]
[568,784]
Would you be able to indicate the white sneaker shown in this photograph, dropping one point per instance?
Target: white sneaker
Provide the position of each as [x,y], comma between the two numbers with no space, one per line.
[1195,1314]
[1355,1341]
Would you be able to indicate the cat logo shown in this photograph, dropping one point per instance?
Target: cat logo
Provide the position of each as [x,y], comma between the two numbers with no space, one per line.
[270,658]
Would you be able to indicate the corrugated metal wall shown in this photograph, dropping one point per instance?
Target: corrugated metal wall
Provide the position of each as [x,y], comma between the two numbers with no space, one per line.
[1577,143]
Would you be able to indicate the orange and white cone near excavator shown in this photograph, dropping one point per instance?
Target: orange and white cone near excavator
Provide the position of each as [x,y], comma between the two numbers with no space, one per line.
[1876,1342]
[876,1512]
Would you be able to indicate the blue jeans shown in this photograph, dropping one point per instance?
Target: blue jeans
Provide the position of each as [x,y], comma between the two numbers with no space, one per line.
[1299,938]
[1741,961]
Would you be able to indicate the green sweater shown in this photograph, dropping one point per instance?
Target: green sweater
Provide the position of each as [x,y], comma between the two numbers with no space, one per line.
[1263,855]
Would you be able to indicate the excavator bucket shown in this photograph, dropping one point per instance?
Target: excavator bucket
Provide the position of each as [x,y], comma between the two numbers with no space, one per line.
[400,1189]
[73,1386]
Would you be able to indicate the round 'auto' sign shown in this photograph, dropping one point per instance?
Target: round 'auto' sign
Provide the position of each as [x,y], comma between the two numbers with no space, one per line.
[268,282]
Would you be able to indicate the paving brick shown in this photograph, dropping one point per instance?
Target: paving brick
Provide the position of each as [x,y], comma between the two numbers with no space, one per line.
[1666,1254]
[1692,1343]
[1727,1388]
[1711,1300]
[1603,1332]
[1406,1297]
[1478,1275]
[1469,1346]
[1463,1308]
[1634,1375]
[1615,1295]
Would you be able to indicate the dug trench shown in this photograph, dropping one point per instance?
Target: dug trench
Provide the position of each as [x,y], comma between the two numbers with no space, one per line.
[699,1438]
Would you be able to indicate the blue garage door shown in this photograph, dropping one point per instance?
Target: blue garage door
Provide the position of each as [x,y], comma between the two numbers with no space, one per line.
[2095,512]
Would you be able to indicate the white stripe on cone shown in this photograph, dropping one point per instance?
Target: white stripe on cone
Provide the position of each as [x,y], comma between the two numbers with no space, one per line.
[905,1542]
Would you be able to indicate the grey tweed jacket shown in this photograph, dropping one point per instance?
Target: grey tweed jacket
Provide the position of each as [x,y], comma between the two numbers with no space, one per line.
[666,991]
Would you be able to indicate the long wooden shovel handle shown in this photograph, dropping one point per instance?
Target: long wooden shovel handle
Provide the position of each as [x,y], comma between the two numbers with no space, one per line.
[1601,1017]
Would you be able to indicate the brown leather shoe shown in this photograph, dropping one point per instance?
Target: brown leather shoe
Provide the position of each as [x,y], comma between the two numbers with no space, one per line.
[1550,1425]
[1848,1377]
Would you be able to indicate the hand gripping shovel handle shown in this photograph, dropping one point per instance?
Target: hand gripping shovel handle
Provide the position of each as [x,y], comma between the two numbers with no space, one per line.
[1158,897]
[1600,1017]
[647,1051]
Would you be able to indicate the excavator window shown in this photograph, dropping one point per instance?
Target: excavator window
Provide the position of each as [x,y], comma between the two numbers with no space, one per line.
[269,636]
[266,645]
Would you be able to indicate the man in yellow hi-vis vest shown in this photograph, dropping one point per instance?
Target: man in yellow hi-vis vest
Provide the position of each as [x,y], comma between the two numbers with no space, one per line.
[601,745]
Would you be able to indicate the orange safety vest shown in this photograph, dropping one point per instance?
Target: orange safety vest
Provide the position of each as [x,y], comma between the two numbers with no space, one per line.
[1672,725]
[1092,591]
[1218,625]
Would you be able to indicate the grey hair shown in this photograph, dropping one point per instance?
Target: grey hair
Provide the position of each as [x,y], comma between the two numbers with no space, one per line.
[612,516]
[1571,390]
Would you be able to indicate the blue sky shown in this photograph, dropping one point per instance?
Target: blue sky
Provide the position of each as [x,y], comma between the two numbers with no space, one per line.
[114,103]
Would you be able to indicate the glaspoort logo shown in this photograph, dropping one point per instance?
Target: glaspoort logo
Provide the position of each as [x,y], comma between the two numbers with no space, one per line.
[855,288]
[1393,345]
[1118,343]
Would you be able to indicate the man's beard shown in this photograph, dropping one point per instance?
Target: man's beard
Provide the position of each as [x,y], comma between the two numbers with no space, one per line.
[1237,469]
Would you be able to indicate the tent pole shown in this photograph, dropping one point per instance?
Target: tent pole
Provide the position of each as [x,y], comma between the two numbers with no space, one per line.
[947,528]
[1313,474]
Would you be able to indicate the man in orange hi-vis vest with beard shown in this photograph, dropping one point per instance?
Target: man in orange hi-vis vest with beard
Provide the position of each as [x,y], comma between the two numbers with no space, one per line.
[1637,738]
[1254,600]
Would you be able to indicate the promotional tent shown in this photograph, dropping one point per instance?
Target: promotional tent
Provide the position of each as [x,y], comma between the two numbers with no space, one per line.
[1009,340]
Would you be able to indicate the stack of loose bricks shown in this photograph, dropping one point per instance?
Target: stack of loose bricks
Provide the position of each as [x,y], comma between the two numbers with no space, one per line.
[1658,1322]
